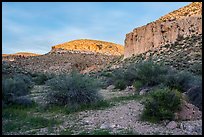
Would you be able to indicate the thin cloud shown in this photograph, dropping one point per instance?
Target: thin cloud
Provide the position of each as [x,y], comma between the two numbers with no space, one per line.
[35,27]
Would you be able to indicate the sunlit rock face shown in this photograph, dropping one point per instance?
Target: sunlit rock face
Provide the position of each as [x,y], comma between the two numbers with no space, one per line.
[184,22]
[87,45]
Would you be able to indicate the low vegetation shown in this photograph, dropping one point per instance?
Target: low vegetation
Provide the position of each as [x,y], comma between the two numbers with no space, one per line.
[41,78]
[150,74]
[17,119]
[120,84]
[13,88]
[73,90]
[161,105]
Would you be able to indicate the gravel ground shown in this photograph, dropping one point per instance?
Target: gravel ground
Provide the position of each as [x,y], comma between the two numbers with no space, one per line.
[125,115]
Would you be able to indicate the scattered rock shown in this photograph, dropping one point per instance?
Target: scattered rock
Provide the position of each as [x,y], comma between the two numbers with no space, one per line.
[144,91]
[130,89]
[172,125]
[188,112]
[105,126]
[111,87]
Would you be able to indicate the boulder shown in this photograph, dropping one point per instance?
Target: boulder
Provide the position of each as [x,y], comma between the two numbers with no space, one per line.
[110,88]
[171,125]
[188,112]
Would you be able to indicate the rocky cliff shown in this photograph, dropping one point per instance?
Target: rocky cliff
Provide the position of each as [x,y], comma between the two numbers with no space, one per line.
[184,22]
[86,45]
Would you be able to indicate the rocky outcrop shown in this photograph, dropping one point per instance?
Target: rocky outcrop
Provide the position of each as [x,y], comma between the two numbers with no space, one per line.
[19,55]
[195,8]
[188,112]
[95,46]
[82,55]
[184,54]
[184,22]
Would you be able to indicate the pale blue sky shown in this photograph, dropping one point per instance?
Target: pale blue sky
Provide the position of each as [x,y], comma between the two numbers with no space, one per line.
[36,26]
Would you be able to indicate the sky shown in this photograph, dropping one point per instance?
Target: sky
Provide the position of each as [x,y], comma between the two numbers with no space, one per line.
[37,26]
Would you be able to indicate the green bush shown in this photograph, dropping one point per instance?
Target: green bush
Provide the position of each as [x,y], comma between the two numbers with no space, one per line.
[120,84]
[161,105]
[118,74]
[197,68]
[106,74]
[73,90]
[16,86]
[41,78]
[131,74]
[138,84]
[181,80]
[151,73]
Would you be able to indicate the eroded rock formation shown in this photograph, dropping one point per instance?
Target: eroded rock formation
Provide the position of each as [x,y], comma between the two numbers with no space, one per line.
[86,45]
[186,21]
[19,55]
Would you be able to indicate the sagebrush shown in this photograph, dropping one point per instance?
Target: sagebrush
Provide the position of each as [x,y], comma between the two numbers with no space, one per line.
[73,90]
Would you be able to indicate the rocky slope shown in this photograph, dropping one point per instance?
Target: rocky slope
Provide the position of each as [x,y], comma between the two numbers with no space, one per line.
[184,54]
[103,47]
[192,9]
[83,55]
[186,21]
[63,61]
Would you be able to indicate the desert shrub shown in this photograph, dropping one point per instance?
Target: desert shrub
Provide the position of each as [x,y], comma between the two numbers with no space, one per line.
[13,87]
[118,74]
[147,72]
[120,84]
[40,78]
[106,74]
[181,80]
[118,79]
[73,90]
[137,84]
[197,68]
[150,73]
[161,105]
[27,79]
[131,74]
[105,82]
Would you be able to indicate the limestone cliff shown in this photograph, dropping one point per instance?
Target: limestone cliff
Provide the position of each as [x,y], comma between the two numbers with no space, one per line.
[186,21]
[87,45]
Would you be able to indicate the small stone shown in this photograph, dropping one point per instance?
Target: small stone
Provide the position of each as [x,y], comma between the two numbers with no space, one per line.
[113,126]
[189,128]
[111,87]
[166,122]
[86,122]
[104,126]
[130,89]
[181,126]
[171,125]
[198,129]
[144,91]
